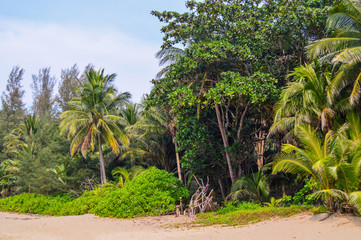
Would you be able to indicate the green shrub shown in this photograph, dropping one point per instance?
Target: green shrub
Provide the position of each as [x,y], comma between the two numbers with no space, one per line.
[34,203]
[236,206]
[152,192]
[87,202]
[303,195]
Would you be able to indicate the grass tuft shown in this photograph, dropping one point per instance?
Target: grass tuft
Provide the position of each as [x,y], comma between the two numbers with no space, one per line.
[249,216]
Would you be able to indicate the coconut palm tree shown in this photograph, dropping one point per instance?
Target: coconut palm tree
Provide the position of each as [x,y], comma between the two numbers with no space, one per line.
[22,138]
[308,99]
[160,132]
[330,163]
[132,125]
[166,57]
[91,119]
[254,185]
[124,176]
[344,46]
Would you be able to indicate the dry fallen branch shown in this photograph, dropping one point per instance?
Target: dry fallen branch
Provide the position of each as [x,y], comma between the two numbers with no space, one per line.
[202,199]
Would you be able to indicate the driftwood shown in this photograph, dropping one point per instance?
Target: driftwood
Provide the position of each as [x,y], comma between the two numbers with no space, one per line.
[202,199]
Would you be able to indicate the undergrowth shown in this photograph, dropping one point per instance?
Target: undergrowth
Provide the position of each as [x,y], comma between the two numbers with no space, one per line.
[151,193]
[248,216]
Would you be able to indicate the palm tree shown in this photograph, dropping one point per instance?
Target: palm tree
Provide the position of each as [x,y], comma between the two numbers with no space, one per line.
[91,120]
[344,46]
[8,175]
[166,57]
[330,164]
[131,121]
[160,132]
[60,172]
[309,99]
[21,138]
[124,176]
[254,185]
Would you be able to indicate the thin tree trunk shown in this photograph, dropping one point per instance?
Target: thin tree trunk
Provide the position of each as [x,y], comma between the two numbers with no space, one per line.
[260,146]
[103,177]
[225,143]
[222,191]
[260,149]
[241,122]
[178,162]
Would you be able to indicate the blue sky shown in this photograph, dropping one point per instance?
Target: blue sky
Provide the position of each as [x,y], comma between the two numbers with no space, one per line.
[118,35]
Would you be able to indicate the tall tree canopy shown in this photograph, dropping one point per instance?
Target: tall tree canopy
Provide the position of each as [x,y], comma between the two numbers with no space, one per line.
[12,99]
[236,54]
[43,89]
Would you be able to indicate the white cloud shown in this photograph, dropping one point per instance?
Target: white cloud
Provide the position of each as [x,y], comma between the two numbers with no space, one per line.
[34,45]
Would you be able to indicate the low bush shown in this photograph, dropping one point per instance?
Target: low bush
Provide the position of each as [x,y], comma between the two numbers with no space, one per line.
[87,202]
[151,193]
[34,203]
[243,217]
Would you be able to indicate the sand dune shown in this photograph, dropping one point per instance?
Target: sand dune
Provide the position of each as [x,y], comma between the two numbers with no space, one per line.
[90,227]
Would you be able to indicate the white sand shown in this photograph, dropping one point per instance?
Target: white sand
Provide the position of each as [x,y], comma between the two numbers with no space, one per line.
[90,227]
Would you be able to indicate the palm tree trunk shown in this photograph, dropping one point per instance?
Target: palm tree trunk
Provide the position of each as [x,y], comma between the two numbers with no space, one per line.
[225,143]
[103,177]
[178,162]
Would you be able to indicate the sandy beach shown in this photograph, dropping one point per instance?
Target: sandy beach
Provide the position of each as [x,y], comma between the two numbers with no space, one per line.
[90,227]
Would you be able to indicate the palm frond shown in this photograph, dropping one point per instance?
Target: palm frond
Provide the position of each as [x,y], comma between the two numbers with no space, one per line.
[329,45]
[355,199]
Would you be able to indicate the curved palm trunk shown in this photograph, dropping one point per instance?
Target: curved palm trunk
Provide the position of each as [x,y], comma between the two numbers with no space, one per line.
[103,177]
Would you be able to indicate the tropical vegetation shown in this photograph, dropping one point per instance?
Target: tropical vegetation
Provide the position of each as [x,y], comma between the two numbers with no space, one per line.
[258,98]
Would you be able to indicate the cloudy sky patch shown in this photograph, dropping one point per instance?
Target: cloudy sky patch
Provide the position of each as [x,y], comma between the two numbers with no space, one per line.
[119,36]
[37,45]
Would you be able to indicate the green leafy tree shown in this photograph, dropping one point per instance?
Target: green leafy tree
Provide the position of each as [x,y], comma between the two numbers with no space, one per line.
[67,86]
[35,148]
[229,61]
[91,120]
[43,88]
[13,109]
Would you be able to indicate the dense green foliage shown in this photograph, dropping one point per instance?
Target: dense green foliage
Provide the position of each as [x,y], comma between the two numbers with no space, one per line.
[236,56]
[34,203]
[154,192]
[261,98]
